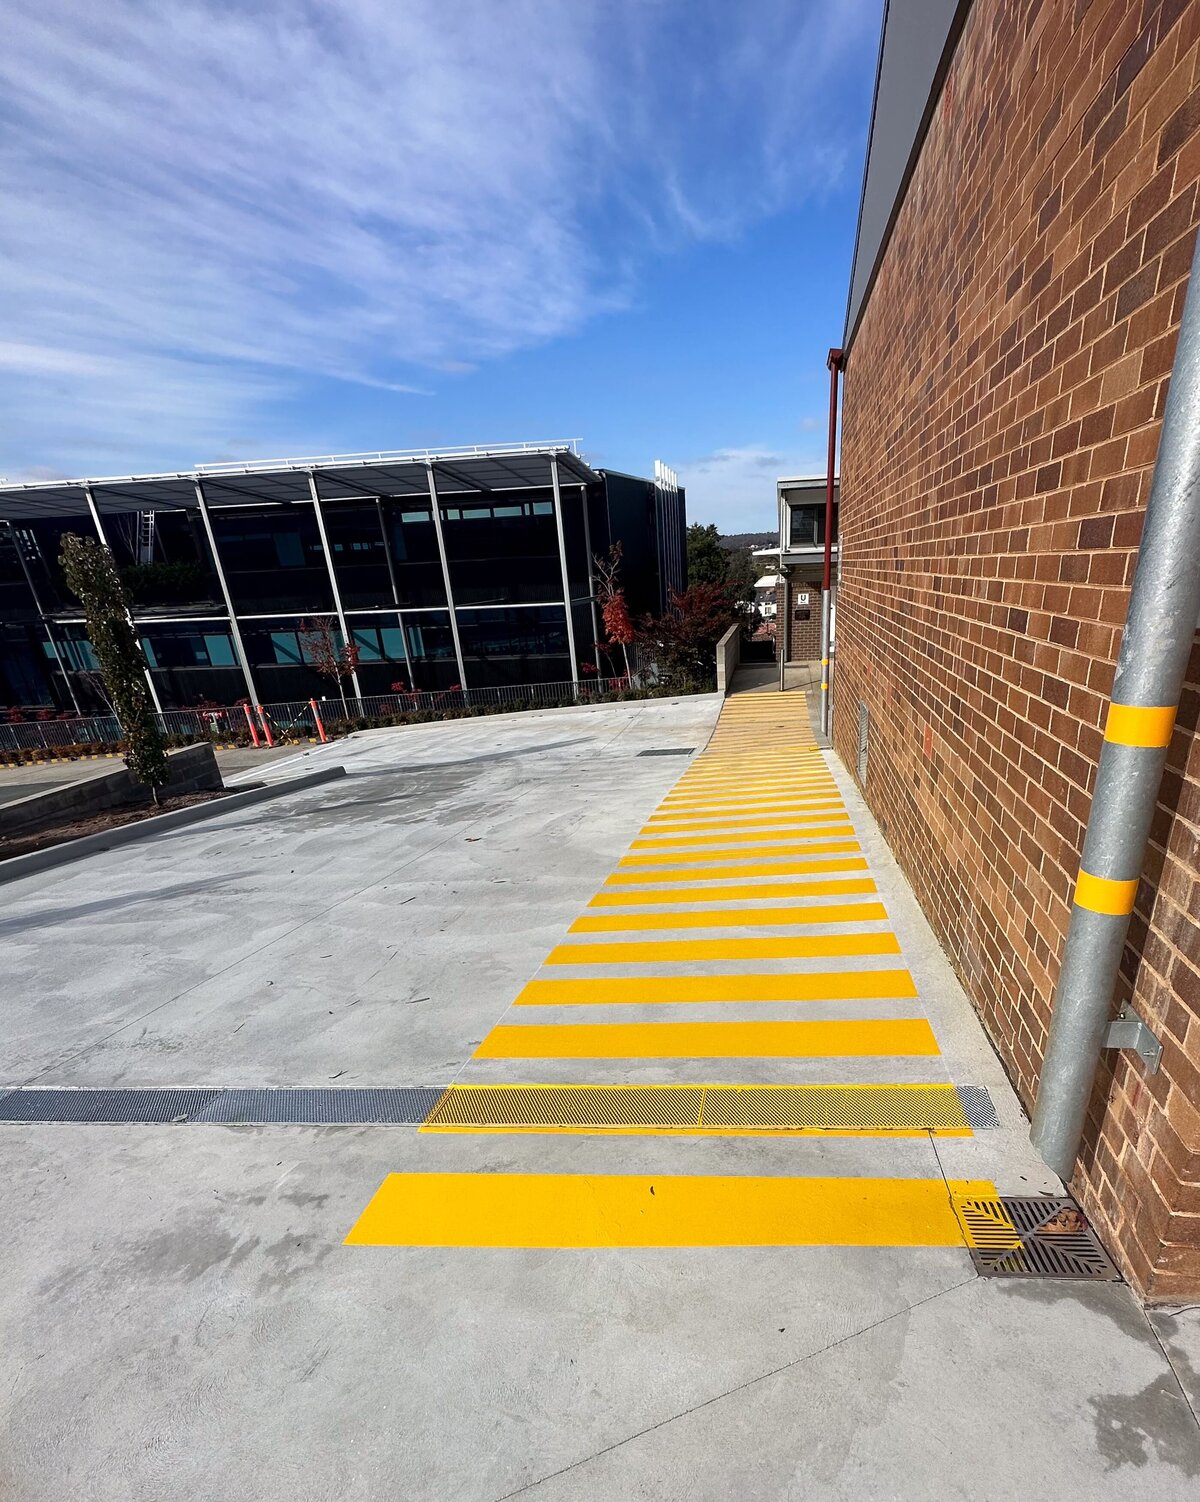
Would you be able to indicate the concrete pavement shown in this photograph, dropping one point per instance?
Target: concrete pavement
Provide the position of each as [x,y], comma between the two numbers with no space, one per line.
[180,1318]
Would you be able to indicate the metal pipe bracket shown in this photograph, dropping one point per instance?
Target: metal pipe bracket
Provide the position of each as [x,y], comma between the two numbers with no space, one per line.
[1129,1031]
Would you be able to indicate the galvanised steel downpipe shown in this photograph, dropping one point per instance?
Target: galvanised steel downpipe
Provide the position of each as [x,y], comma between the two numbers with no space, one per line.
[1155,646]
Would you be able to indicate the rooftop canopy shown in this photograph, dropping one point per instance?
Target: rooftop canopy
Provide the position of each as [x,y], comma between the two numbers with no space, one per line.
[285,482]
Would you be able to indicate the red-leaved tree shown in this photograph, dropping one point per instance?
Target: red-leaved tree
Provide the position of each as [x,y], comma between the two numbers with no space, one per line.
[614,612]
[683,641]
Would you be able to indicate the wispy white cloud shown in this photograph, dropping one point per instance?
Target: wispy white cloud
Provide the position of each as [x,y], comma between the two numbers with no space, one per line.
[735,487]
[207,206]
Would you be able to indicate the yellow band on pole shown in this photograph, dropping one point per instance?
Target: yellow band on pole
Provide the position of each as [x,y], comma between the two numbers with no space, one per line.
[1099,894]
[1139,725]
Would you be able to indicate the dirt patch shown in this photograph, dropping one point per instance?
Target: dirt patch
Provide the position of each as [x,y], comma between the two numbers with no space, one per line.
[110,818]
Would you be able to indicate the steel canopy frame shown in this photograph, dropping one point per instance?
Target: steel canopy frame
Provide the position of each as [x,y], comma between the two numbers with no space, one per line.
[474,469]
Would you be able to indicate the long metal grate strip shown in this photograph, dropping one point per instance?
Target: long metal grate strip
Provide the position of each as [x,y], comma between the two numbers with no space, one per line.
[1032,1237]
[593,1108]
[703,1108]
[348,1107]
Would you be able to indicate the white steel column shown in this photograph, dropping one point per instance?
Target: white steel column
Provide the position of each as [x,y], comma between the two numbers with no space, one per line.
[333,584]
[441,542]
[391,568]
[587,542]
[562,558]
[99,526]
[45,619]
[235,629]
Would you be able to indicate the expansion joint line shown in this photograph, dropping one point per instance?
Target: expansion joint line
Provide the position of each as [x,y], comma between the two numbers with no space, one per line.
[730,1392]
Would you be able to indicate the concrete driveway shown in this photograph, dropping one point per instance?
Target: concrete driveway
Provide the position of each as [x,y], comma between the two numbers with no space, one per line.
[180,1316]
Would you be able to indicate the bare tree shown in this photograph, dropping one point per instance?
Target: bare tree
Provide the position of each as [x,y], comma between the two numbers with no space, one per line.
[324,650]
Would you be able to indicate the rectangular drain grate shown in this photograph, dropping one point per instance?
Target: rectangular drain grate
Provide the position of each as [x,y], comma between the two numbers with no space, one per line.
[668,751]
[348,1107]
[1035,1237]
[703,1108]
[319,1107]
[104,1107]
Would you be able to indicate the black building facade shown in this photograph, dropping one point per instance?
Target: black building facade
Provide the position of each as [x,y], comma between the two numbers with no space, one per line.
[467,567]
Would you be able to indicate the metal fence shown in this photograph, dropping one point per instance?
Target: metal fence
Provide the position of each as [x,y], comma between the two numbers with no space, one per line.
[305,718]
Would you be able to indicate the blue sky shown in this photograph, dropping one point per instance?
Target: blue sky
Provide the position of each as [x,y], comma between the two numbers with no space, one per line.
[244,231]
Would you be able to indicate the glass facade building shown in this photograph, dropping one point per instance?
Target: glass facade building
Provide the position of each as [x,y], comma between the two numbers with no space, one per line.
[468,567]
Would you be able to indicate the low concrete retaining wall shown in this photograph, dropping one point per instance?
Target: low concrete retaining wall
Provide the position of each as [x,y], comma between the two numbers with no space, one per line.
[729,654]
[193,769]
[59,855]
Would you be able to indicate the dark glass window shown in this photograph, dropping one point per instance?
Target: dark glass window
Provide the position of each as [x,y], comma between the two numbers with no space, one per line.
[273,560]
[514,646]
[502,550]
[808,526]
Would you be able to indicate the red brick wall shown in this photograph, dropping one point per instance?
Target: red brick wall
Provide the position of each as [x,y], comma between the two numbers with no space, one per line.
[1002,408]
[804,636]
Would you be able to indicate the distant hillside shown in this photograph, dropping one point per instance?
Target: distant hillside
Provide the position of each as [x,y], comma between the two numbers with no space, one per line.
[736,541]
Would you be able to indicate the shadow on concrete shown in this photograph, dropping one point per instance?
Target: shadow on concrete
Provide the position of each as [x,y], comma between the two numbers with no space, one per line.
[49,917]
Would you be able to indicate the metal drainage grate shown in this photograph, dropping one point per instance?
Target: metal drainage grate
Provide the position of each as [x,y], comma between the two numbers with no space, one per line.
[668,751]
[978,1108]
[1014,1237]
[348,1107]
[104,1106]
[704,1108]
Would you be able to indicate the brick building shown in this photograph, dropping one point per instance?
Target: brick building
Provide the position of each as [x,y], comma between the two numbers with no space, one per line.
[1028,219]
[801,508]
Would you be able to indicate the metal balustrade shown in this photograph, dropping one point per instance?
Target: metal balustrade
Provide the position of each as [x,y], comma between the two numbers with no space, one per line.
[306,718]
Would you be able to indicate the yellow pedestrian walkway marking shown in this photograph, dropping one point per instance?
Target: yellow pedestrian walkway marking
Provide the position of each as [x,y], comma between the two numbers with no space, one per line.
[740,917]
[656,990]
[909,1037]
[692,874]
[806,813]
[788,831]
[659,1210]
[747,852]
[663,896]
[672,951]
[756,836]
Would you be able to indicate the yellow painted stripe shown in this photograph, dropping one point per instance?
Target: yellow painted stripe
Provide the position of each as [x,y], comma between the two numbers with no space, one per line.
[1099,894]
[746,852]
[692,873]
[899,1038]
[739,917]
[750,793]
[789,831]
[684,951]
[806,813]
[659,1210]
[776,804]
[1140,725]
[663,896]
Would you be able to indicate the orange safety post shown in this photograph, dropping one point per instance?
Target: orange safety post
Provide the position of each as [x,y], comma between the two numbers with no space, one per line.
[253,727]
[317,718]
[266,725]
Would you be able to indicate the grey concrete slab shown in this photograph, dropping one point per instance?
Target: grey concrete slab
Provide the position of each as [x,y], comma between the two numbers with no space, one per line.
[1178,1332]
[299,942]
[986,1390]
[179,1317]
